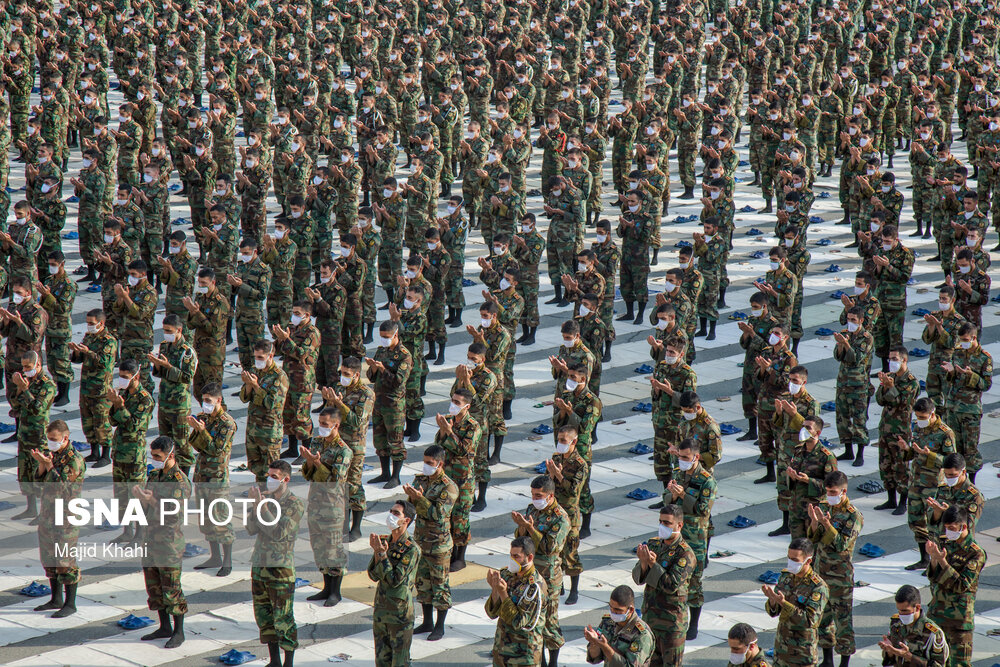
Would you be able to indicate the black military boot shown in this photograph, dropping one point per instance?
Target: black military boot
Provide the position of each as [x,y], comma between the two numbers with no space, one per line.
[457,322]
[859,459]
[432,350]
[289,660]
[69,606]
[423,387]
[692,631]
[292,451]
[751,433]
[530,340]
[688,192]
[384,477]
[393,480]
[227,561]
[214,559]
[440,357]
[783,528]
[62,395]
[506,409]
[827,658]
[428,623]
[355,532]
[641,308]
[890,500]
[655,259]
[703,331]
[497,446]
[767,208]
[324,593]
[480,503]
[584,526]
[901,508]
[606,357]
[558,294]
[721,303]
[30,512]
[711,331]
[414,430]
[56,600]
[848,454]
[629,312]
[438,631]
[389,296]
[768,476]
[163,631]
[94,455]
[369,333]
[574,590]
[275,654]
[104,459]
[334,599]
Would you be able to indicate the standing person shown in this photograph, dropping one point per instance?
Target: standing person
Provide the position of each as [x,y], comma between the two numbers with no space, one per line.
[941,333]
[250,285]
[264,393]
[96,354]
[433,496]
[853,350]
[212,439]
[665,566]
[388,372]
[393,568]
[517,600]
[834,527]
[897,392]
[773,367]
[135,310]
[175,365]
[131,408]
[298,346]
[164,544]
[798,601]
[272,564]
[753,340]
[953,573]
[459,434]
[569,470]
[57,293]
[31,396]
[913,638]
[932,441]
[969,374]
[327,459]
[547,524]
[59,477]
[892,266]
[622,638]
[808,466]
[208,316]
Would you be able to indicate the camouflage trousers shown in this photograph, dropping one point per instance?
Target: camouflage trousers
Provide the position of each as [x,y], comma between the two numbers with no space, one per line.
[889,330]
[295,415]
[836,629]
[206,493]
[749,391]
[696,592]
[509,388]
[529,314]
[893,468]
[94,415]
[552,636]
[494,413]
[436,332]
[606,311]
[206,373]
[432,579]
[27,469]
[454,292]
[263,446]
[586,497]
[124,476]
[328,363]
[784,456]
[798,513]
[708,298]
[57,357]
[936,384]
[966,426]
[253,219]
[387,430]
[326,534]
[663,464]
[248,332]
[634,274]
[571,564]
[852,414]
[916,512]
[279,307]
[482,466]
[796,328]
[355,489]
[173,423]
[65,575]
[765,430]
[368,314]
[687,155]
[272,609]
[390,263]
[392,644]
[959,640]
[353,331]
[414,401]
[560,257]
[163,590]
[460,512]
[668,640]
[302,277]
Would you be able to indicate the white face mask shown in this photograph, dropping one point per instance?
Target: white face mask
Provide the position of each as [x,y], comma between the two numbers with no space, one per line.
[774,339]
[907,619]
[804,434]
[504,283]
[122,383]
[18,299]
[952,535]
[384,342]
[661,324]
[887,247]
[132,281]
[832,500]
[572,384]
[794,566]
[260,364]
[944,305]
[664,533]
[853,326]
[392,521]
[684,465]
[923,423]
[513,566]
[169,337]
[562,448]
[794,388]
[296,320]
[737,658]
[540,503]
[789,243]
[407,304]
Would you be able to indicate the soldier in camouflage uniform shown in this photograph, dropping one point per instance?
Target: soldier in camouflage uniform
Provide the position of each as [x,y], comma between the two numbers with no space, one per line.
[212,434]
[433,496]
[693,489]
[388,371]
[59,477]
[131,408]
[622,638]
[892,265]
[517,600]
[264,391]
[772,367]
[208,320]
[298,346]
[30,394]
[753,340]
[834,527]
[912,636]
[57,293]
[393,568]
[135,307]
[953,573]
[272,565]
[854,352]
[744,647]
[164,545]
[177,271]
[279,251]
[958,490]
[327,460]
[250,285]
[459,434]
[897,391]
[97,353]
[798,601]
[710,249]
[21,244]
[665,566]
[808,466]
[672,378]
[931,442]
[941,333]
[969,375]
[175,365]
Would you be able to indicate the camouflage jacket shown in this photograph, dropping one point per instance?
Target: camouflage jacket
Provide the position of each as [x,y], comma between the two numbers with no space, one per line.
[273,557]
[433,527]
[395,575]
[214,445]
[954,585]
[176,378]
[131,421]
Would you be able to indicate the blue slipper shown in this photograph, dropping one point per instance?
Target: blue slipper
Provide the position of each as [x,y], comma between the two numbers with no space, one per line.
[829,406]
[923,385]
[234,657]
[240,134]
[6,505]
[682,244]
[833,268]
[71,236]
[838,295]
[107,525]
[638,448]
[871,486]
[753,231]
[823,195]
[729,429]
[770,577]
[824,242]
[540,468]
[757,254]
[769,652]
[542,429]
[35,590]
[133,622]
[747,209]
[871,550]
[80,446]
[300,582]
[647,407]
[742,522]
[644,369]
[193,550]
[823,331]
[739,316]
[911,281]
[743,163]
[174,188]
[7,428]
[641,494]
[815,219]
[920,312]
[72,199]
[919,352]
[94,288]
[466,282]
[996,299]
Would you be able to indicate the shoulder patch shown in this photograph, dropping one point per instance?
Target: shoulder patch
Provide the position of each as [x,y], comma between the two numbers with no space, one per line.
[816,596]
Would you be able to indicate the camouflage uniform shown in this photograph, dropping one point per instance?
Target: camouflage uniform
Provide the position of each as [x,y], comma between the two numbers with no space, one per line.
[392,621]
[853,386]
[817,463]
[299,352]
[214,445]
[667,413]
[249,314]
[924,639]
[358,400]
[799,617]
[460,451]
[95,381]
[390,400]
[891,294]
[953,595]
[136,328]
[325,504]
[664,600]
[700,491]
[281,261]
[174,403]
[59,306]
[128,444]
[209,324]
[897,406]
[834,549]
[30,407]
[161,564]
[263,441]
[63,482]
[549,531]
[272,569]
[585,412]
[518,638]
[433,535]
[965,401]
[925,473]
[632,643]
[943,342]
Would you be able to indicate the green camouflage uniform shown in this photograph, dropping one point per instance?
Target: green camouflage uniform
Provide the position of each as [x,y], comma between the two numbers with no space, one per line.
[30,407]
[358,400]
[943,342]
[632,643]
[518,638]
[924,639]
[965,400]
[799,617]
[325,504]
[96,371]
[161,564]
[59,306]
[63,482]
[214,445]
[891,294]
[834,550]
[249,315]
[281,261]
[854,386]
[392,620]
[390,400]
[136,329]
[460,451]
[299,352]
[433,535]
[817,463]
[665,598]
[667,413]
[128,444]
[272,569]
[549,531]
[208,325]
[953,595]
[925,473]
[897,407]
[174,403]
[700,491]
[263,441]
